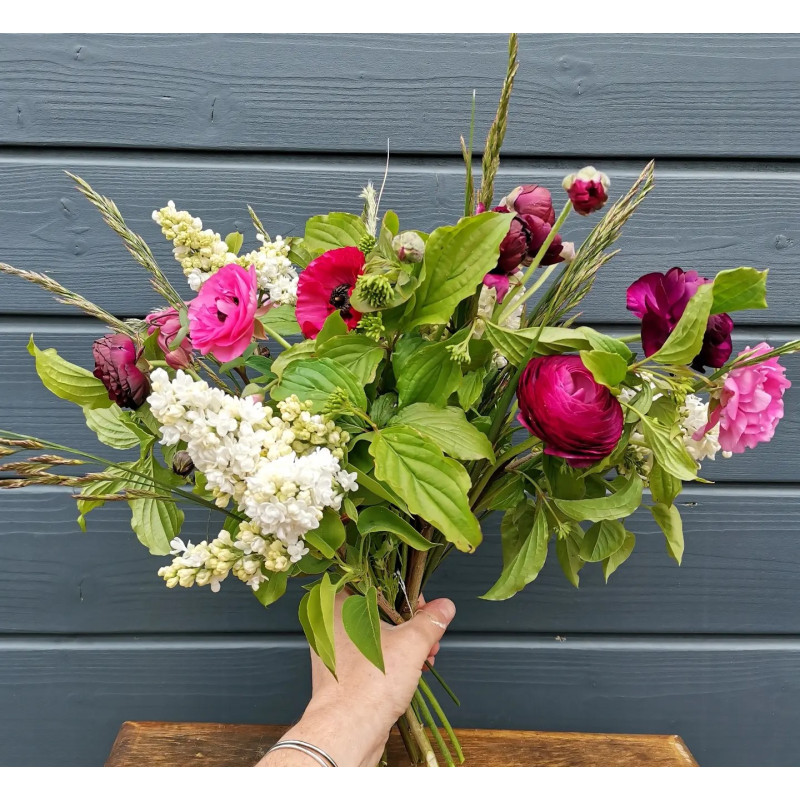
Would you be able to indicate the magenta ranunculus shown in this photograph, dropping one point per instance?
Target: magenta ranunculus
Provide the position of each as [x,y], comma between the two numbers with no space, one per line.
[560,402]
[531,199]
[659,300]
[222,317]
[750,403]
[587,190]
[167,322]
[325,286]
[115,358]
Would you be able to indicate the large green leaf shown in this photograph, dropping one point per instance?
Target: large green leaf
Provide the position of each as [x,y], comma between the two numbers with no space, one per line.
[739,289]
[607,368]
[383,520]
[568,554]
[155,522]
[316,379]
[68,381]
[429,376]
[686,340]
[282,320]
[355,352]
[297,352]
[471,388]
[363,625]
[663,486]
[615,560]
[602,540]
[514,345]
[319,612]
[621,503]
[330,534]
[332,231]
[601,341]
[456,260]
[376,487]
[433,486]
[115,482]
[669,451]
[116,428]
[669,520]
[447,427]
[273,589]
[524,553]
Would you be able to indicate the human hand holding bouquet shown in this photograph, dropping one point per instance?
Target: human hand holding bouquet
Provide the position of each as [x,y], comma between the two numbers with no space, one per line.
[352,404]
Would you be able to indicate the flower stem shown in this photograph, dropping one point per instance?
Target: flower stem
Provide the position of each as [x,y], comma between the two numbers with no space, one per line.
[276,336]
[428,757]
[431,697]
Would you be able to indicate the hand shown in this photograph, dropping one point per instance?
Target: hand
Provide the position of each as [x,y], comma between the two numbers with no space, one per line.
[351,718]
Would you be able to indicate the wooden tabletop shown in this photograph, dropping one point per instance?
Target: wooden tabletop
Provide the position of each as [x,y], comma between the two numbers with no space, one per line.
[209,744]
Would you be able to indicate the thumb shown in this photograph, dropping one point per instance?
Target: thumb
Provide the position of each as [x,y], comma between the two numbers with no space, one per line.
[427,626]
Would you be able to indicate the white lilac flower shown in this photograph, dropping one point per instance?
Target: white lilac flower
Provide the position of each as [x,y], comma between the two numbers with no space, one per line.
[487,301]
[695,417]
[276,275]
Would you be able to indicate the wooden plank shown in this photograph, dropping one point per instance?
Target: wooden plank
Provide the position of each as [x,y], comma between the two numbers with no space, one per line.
[655,94]
[43,415]
[198,744]
[705,217]
[739,576]
[730,699]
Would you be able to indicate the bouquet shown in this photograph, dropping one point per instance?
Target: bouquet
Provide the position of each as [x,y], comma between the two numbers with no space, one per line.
[352,404]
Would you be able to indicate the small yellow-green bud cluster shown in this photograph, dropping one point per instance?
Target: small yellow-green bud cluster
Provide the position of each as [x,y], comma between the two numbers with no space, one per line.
[367,243]
[376,289]
[371,325]
[459,352]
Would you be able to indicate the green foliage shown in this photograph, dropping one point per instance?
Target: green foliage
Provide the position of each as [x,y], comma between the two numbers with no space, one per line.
[607,368]
[669,450]
[332,231]
[297,352]
[363,625]
[273,589]
[456,260]
[316,612]
[514,345]
[316,379]
[434,486]
[504,493]
[568,554]
[616,559]
[356,353]
[234,242]
[626,498]
[602,540]
[333,326]
[117,428]
[524,534]
[739,289]
[448,428]
[470,389]
[155,522]
[282,320]
[378,519]
[68,381]
[330,534]
[686,340]
[600,341]
[115,482]
[663,486]
[428,376]
[669,520]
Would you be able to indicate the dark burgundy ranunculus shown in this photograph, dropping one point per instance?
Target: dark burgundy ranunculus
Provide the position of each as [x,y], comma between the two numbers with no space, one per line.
[531,199]
[659,300]
[560,402]
[115,359]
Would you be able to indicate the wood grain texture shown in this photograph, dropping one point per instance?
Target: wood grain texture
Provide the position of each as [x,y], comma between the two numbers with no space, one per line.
[655,94]
[740,575]
[177,744]
[730,699]
[701,217]
[49,418]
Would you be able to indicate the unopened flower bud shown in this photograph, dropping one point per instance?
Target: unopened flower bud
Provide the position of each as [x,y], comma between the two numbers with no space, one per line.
[531,199]
[587,190]
[568,252]
[409,247]
[182,463]
[115,359]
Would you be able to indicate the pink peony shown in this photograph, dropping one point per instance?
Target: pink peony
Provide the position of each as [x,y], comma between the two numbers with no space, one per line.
[750,403]
[115,358]
[222,316]
[325,286]
[167,322]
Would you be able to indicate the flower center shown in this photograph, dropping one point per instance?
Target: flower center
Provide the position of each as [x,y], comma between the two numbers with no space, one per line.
[340,299]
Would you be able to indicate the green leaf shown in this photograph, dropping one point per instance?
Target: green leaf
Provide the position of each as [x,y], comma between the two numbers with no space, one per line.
[319,613]
[376,487]
[447,427]
[301,351]
[383,408]
[669,452]
[116,428]
[663,486]
[434,486]
[311,565]
[332,231]
[566,482]
[260,364]
[429,376]
[330,534]
[602,540]
[456,260]
[621,503]
[669,520]
[739,289]
[607,368]
[504,493]
[68,381]
[600,341]
[155,522]
[568,554]
[470,389]
[514,345]
[363,625]
[114,483]
[523,557]
[615,560]
[282,320]
[355,352]
[234,241]
[382,520]
[315,379]
[334,325]
[273,589]
[686,340]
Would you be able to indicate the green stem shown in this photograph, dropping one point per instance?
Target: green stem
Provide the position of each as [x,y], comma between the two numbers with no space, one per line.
[442,683]
[503,459]
[634,337]
[276,336]
[424,712]
[431,697]
[421,740]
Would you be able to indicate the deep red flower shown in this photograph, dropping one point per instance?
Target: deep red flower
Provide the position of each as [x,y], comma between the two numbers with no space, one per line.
[577,418]
[325,286]
[587,190]
[115,359]
[531,199]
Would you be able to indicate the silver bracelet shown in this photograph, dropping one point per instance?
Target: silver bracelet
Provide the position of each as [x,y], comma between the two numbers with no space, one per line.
[319,755]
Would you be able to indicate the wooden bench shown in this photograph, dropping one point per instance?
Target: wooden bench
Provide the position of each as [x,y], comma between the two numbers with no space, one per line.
[204,744]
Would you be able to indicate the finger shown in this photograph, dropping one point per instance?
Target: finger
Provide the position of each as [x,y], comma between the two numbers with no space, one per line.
[427,627]
[434,651]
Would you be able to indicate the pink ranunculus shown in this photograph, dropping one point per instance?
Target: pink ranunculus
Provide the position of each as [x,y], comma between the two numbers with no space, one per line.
[659,301]
[750,403]
[115,358]
[222,316]
[587,190]
[560,402]
[325,286]
[167,322]
[531,199]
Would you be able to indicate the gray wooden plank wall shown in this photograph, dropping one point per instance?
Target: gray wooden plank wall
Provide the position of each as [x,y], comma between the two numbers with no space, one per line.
[295,125]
